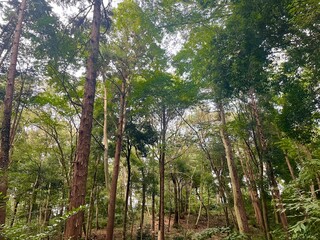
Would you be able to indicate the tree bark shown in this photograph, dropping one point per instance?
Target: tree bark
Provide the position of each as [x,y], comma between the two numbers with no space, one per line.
[105,136]
[33,196]
[289,166]
[176,207]
[143,202]
[270,174]
[80,166]
[124,234]
[235,183]
[153,214]
[7,112]
[161,171]
[116,167]
[247,169]
[91,202]
[15,209]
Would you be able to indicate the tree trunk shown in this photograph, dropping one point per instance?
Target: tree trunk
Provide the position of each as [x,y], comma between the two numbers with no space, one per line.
[33,197]
[235,183]
[270,174]
[80,166]
[161,171]
[247,169]
[91,202]
[176,207]
[7,112]
[15,209]
[199,215]
[202,202]
[277,197]
[116,167]
[47,211]
[127,193]
[143,202]
[97,208]
[132,217]
[105,137]
[289,166]
[153,214]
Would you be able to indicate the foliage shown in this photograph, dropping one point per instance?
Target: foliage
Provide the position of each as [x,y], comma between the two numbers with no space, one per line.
[31,232]
[209,232]
[305,209]
[178,59]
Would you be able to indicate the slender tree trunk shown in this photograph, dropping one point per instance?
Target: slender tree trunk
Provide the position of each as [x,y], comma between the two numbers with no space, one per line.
[15,209]
[176,210]
[289,166]
[143,207]
[127,193]
[80,166]
[170,207]
[153,214]
[202,202]
[7,112]
[105,136]
[272,181]
[132,217]
[97,208]
[46,208]
[235,183]
[187,197]
[247,169]
[116,167]
[199,214]
[277,197]
[91,202]
[161,171]
[33,197]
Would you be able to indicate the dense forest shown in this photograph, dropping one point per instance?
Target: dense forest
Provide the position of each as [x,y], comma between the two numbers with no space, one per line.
[159,119]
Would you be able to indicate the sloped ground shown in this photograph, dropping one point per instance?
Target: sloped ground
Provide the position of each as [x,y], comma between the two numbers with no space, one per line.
[187,228]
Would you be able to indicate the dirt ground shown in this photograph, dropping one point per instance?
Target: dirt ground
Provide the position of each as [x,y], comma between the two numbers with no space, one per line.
[186,227]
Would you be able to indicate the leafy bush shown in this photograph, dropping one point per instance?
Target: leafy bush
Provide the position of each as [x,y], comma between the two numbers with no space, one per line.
[304,210]
[146,233]
[209,232]
[30,232]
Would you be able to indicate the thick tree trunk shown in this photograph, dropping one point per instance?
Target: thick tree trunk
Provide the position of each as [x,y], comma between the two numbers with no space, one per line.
[124,234]
[239,208]
[7,112]
[80,167]
[116,167]
[161,171]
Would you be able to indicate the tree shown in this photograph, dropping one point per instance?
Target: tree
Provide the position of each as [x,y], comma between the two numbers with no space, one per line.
[6,122]
[165,95]
[80,167]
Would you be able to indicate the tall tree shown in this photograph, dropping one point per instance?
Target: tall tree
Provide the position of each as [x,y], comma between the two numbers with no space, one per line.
[7,111]
[235,182]
[80,167]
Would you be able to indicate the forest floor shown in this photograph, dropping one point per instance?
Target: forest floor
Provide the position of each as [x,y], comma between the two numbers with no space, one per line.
[186,227]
